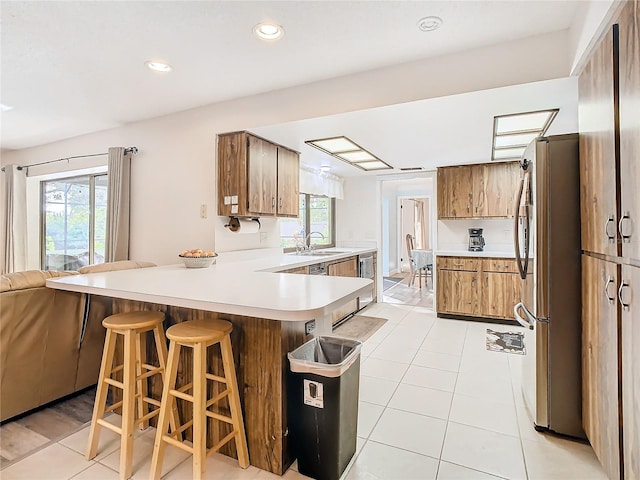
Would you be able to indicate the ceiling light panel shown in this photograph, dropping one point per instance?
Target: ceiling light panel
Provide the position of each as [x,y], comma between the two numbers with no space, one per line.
[158,66]
[335,145]
[350,152]
[514,132]
[526,122]
[358,156]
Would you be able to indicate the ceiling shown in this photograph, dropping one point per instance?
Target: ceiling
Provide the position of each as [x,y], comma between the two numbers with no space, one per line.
[75,67]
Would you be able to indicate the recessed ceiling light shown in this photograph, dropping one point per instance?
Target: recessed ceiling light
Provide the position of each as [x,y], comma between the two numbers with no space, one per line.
[5,108]
[158,66]
[268,31]
[429,24]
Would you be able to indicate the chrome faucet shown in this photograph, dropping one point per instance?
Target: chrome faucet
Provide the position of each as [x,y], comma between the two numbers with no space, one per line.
[305,245]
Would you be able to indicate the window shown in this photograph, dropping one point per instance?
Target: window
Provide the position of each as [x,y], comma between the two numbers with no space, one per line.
[316,215]
[74,222]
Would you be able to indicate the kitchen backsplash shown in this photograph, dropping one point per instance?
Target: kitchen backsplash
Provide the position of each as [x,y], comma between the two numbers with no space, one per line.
[454,234]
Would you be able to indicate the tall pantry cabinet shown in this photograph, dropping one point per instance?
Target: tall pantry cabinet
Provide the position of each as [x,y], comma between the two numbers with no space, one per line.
[609,119]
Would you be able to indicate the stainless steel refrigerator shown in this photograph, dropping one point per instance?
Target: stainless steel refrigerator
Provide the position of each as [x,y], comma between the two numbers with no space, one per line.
[547,247]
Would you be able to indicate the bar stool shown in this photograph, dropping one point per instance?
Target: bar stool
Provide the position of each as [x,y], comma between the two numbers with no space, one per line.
[133,326]
[198,335]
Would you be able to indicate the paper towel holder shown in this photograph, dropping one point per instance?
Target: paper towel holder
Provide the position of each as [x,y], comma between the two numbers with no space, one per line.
[234,223]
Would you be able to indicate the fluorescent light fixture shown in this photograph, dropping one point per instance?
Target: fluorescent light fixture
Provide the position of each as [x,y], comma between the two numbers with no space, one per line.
[268,31]
[514,132]
[350,152]
[158,66]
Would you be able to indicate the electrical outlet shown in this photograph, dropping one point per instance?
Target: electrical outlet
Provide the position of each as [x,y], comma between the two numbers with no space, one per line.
[264,237]
[203,211]
[309,327]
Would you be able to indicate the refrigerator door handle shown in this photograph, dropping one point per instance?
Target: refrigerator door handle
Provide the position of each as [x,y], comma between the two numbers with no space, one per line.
[526,323]
[516,230]
[522,263]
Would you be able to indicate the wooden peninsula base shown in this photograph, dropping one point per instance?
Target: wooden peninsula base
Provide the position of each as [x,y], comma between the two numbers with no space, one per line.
[260,348]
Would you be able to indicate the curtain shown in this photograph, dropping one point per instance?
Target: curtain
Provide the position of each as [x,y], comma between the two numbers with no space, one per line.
[118,196]
[316,183]
[15,215]
[421,225]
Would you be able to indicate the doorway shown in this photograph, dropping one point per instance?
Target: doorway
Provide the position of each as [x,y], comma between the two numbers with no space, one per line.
[408,206]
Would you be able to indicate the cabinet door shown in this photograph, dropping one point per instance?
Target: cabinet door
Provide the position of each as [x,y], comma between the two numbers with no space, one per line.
[346,268]
[479,176]
[500,293]
[232,173]
[629,67]
[262,174]
[455,187]
[457,292]
[597,151]
[501,186]
[629,298]
[600,361]
[288,183]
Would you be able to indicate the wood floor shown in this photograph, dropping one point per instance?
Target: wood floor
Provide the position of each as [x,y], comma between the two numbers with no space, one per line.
[29,433]
[403,294]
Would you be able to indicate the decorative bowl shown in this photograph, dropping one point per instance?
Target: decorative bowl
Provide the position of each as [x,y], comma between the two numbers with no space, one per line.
[198,262]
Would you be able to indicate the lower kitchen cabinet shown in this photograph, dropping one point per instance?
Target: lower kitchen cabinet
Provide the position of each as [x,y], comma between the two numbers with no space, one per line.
[487,287]
[629,303]
[611,364]
[457,292]
[600,416]
[347,267]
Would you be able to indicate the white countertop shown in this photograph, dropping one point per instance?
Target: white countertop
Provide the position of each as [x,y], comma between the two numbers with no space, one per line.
[235,286]
[467,253]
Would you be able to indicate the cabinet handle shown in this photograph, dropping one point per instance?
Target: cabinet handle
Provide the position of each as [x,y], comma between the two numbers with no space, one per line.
[280,202]
[625,306]
[458,264]
[611,237]
[625,238]
[273,202]
[606,290]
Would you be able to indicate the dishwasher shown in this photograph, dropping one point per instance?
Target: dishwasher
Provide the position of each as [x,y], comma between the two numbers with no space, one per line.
[318,269]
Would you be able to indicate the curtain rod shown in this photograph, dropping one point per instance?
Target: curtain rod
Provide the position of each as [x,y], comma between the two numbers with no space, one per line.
[133,150]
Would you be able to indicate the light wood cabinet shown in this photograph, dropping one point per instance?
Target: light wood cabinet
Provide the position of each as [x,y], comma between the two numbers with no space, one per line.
[471,286]
[256,177]
[297,270]
[597,151]
[609,88]
[478,191]
[629,303]
[600,361]
[347,267]
[455,192]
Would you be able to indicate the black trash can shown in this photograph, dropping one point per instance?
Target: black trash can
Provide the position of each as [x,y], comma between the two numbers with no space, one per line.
[323,395]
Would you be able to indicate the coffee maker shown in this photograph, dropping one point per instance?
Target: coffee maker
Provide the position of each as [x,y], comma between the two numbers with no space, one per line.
[476,240]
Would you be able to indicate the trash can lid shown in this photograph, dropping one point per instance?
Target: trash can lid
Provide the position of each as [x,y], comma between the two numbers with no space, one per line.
[326,355]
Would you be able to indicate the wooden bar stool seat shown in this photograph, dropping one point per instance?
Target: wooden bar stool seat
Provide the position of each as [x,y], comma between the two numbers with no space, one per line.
[133,326]
[198,335]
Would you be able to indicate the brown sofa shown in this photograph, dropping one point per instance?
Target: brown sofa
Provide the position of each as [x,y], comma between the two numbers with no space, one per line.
[50,340]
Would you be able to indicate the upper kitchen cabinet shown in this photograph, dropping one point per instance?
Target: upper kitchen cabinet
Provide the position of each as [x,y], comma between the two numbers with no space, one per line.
[256,177]
[597,151]
[477,191]
[609,102]
[629,113]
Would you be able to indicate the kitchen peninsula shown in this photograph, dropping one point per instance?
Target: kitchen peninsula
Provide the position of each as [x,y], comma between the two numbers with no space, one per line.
[270,312]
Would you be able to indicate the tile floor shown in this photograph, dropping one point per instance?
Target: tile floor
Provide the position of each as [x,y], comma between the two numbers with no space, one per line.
[434,404]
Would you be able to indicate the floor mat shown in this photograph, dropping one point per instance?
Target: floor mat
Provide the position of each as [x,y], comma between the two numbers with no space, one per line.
[360,327]
[388,282]
[507,342]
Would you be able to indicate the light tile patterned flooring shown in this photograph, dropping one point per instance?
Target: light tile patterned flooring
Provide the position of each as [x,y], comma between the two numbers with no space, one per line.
[434,403]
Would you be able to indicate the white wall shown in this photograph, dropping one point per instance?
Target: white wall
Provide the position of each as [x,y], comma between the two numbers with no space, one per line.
[358,213]
[175,169]
[454,234]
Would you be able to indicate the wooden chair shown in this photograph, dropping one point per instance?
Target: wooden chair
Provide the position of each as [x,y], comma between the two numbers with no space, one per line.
[412,264]
[198,335]
[133,327]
